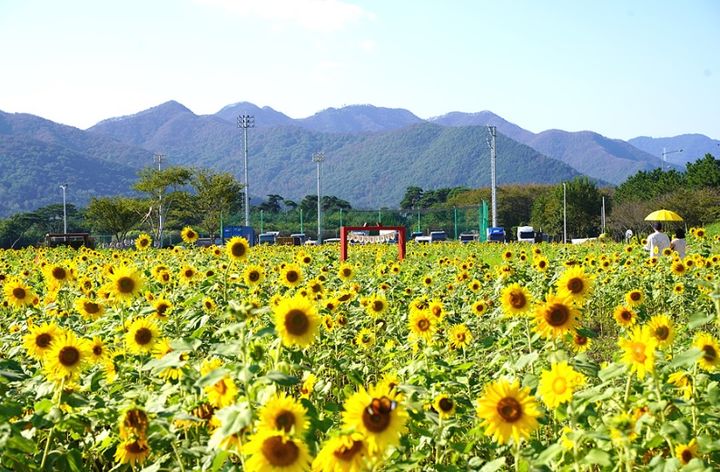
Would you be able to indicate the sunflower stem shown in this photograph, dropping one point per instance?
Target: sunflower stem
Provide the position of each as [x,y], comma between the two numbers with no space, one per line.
[177,456]
[627,390]
[517,456]
[58,398]
[656,383]
[529,344]
[693,401]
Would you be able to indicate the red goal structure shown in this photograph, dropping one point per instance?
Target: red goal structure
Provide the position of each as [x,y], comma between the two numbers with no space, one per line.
[358,234]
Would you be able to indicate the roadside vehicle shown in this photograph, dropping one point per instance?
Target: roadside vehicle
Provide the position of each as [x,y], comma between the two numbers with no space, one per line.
[526,234]
[496,235]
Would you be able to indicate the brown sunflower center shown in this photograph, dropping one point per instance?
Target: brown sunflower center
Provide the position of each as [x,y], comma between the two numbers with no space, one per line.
[126,285]
[285,420]
[446,404]
[43,340]
[292,276]
[638,352]
[376,417]
[143,336]
[626,315]
[136,419]
[460,337]
[237,250]
[189,273]
[279,452]
[136,447]
[59,273]
[662,333]
[345,453]
[91,308]
[221,387]
[517,300]
[709,353]
[423,325]
[557,315]
[509,409]
[253,276]
[580,340]
[576,285]
[378,305]
[686,455]
[162,308]
[347,273]
[97,350]
[19,293]
[69,356]
[297,322]
[635,296]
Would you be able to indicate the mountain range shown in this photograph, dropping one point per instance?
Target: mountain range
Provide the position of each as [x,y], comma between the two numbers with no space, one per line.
[372,153]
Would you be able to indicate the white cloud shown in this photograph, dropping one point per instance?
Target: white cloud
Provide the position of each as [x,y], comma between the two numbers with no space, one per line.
[315,15]
[368,45]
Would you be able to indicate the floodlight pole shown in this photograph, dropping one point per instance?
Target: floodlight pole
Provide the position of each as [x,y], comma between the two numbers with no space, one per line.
[245,122]
[158,159]
[564,213]
[665,152]
[64,187]
[318,158]
[491,143]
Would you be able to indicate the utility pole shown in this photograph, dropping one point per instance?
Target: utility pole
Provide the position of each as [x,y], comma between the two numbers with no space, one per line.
[564,213]
[245,122]
[491,143]
[158,158]
[664,157]
[64,187]
[318,158]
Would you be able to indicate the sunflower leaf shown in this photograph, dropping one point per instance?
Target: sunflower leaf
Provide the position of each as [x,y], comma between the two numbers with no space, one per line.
[597,457]
[281,379]
[211,378]
[699,319]
[686,358]
[492,466]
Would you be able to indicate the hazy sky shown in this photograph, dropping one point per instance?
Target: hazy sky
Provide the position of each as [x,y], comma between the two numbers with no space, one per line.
[621,68]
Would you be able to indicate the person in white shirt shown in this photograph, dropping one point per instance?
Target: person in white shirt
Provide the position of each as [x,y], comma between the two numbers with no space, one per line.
[678,244]
[657,241]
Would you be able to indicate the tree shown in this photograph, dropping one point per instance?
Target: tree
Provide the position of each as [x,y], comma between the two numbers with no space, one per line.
[412,197]
[115,215]
[704,172]
[645,185]
[165,189]
[584,201]
[272,204]
[217,194]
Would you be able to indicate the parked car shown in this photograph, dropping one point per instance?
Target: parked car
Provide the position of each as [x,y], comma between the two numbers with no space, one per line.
[496,235]
[433,237]
[468,237]
[526,234]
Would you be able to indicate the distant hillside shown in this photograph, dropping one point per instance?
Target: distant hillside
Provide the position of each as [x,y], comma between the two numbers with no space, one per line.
[511,130]
[33,171]
[264,116]
[694,147]
[359,119]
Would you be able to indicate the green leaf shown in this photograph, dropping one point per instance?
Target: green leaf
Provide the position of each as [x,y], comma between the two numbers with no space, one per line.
[492,466]
[699,319]
[74,460]
[282,379]
[549,454]
[234,418]
[597,457]
[526,360]
[611,371]
[211,378]
[686,358]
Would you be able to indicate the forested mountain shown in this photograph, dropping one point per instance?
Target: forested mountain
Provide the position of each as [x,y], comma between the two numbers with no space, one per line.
[483,118]
[264,117]
[694,147]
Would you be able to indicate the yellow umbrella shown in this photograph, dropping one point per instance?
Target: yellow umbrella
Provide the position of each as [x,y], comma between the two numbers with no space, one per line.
[663,215]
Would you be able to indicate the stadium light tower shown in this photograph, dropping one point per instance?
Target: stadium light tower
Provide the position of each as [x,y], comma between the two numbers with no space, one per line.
[318,158]
[493,193]
[64,187]
[665,154]
[245,122]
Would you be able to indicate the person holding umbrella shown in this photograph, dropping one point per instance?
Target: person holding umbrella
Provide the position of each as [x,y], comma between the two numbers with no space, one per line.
[657,241]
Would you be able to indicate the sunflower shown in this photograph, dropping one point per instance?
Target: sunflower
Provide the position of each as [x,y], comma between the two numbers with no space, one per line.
[574,282]
[376,305]
[634,297]
[661,326]
[683,382]
[273,451]
[253,274]
[237,248]
[141,336]
[515,300]
[208,304]
[639,350]
[377,414]
[422,325]
[437,309]
[297,321]
[57,275]
[132,451]
[143,241]
[163,307]
[98,352]
[342,453]
[222,393]
[346,271]
[133,423]
[556,317]
[581,343]
[479,307]
[624,316]
[126,283]
[37,342]
[17,293]
[308,385]
[444,406]
[710,359]
[678,288]
[66,357]
[88,308]
[459,336]
[291,275]
[558,384]
[508,411]
[189,235]
[161,349]
[283,413]
[678,268]
[365,339]
[188,274]
[541,263]
[687,452]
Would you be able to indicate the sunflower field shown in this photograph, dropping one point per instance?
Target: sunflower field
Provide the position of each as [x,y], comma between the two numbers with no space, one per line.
[278,358]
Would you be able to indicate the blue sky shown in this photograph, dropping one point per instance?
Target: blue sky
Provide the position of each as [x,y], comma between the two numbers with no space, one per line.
[621,68]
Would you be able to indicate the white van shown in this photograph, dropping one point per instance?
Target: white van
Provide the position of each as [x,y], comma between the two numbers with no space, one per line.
[525,234]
